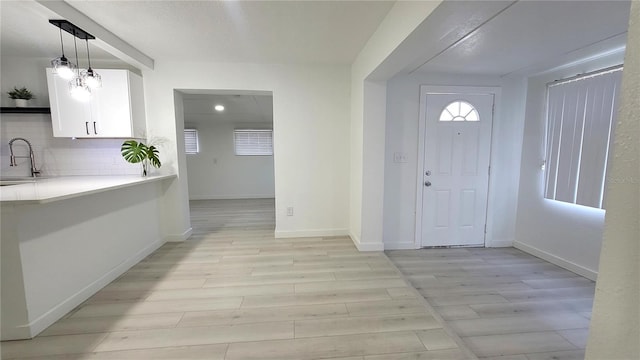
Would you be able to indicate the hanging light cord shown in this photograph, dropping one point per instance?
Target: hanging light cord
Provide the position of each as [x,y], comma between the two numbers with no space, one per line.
[76,46]
[61,42]
[88,57]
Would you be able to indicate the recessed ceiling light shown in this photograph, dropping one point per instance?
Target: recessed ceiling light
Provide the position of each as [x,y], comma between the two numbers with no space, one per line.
[219,107]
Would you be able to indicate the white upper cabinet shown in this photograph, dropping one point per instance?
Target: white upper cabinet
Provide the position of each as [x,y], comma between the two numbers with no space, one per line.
[116,110]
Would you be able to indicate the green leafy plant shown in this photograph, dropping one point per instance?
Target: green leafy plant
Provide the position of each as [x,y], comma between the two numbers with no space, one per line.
[22,93]
[137,152]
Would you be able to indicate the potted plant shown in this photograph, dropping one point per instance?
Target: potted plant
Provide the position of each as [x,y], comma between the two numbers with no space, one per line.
[138,152]
[21,96]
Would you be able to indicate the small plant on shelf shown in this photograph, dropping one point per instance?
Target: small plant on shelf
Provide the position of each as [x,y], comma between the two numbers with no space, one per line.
[21,96]
[138,152]
[22,93]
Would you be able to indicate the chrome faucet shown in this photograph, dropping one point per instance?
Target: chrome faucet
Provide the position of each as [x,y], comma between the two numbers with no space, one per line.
[34,172]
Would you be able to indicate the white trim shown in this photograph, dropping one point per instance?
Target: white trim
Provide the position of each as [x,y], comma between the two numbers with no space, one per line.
[47,319]
[179,237]
[498,243]
[424,90]
[232,197]
[406,245]
[422,125]
[354,238]
[365,246]
[20,332]
[554,259]
[362,247]
[310,233]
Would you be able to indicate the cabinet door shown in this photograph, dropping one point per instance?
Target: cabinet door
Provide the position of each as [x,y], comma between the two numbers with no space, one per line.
[111,106]
[70,117]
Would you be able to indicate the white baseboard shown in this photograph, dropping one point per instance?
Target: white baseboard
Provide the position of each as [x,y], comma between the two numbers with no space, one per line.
[400,246]
[365,246]
[38,325]
[310,233]
[21,332]
[573,267]
[179,237]
[232,197]
[499,243]
[354,238]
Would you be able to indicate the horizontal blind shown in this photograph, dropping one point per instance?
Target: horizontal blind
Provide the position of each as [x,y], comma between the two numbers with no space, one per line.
[191,141]
[253,142]
[581,116]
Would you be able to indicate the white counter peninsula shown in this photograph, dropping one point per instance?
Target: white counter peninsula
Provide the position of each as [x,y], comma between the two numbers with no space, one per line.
[63,239]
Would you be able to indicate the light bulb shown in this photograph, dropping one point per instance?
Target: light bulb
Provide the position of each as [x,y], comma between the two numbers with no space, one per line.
[79,90]
[65,73]
[91,78]
[63,67]
[219,107]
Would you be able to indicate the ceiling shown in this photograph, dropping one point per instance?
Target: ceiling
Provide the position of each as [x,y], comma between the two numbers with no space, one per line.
[242,31]
[527,33]
[531,32]
[238,108]
[25,32]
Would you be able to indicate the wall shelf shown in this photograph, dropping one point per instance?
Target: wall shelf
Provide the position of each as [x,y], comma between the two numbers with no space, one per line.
[25,110]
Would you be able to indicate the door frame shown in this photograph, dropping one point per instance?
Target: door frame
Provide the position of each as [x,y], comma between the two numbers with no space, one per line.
[422,126]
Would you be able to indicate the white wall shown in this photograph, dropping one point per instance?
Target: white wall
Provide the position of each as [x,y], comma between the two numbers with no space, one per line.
[53,156]
[615,324]
[367,185]
[21,72]
[217,173]
[566,234]
[311,137]
[402,136]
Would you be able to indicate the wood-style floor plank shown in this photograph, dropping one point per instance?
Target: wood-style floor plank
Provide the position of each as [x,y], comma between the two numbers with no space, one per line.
[233,291]
[503,303]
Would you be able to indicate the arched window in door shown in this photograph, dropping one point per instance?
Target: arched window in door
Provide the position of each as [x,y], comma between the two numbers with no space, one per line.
[459,111]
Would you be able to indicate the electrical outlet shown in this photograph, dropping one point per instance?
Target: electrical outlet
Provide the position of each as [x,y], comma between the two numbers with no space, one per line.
[290,211]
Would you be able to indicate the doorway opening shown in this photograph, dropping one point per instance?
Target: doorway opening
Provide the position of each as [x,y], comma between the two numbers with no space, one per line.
[228,138]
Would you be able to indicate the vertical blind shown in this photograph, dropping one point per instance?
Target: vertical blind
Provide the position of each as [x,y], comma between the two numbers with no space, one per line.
[191,141]
[581,117]
[253,142]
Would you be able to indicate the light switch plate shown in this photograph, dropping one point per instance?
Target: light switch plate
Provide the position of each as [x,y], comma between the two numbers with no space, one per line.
[400,157]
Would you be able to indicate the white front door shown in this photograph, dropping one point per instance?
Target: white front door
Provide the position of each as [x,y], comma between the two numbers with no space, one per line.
[456,168]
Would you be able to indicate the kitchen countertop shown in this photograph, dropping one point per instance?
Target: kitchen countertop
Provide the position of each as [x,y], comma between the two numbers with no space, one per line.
[45,190]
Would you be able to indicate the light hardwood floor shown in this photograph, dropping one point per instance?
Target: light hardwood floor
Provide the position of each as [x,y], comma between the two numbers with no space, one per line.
[234,292]
[504,303]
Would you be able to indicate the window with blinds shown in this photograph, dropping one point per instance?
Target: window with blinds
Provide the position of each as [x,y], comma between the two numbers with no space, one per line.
[191,141]
[581,117]
[253,142]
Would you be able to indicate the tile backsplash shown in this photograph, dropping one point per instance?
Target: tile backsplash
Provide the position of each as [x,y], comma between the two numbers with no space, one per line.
[58,156]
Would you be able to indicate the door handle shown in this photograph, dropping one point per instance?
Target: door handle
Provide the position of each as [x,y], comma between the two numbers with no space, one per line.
[427,183]
[86,126]
[94,128]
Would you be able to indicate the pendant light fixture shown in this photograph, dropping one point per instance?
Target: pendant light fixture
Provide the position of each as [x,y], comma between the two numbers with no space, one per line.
[61,65]
[81,80]
[90,77]
[78,88]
